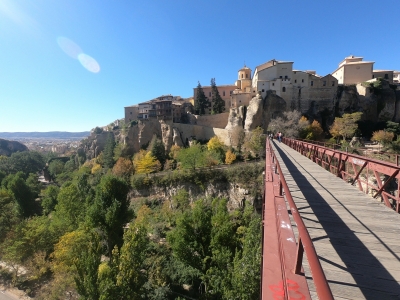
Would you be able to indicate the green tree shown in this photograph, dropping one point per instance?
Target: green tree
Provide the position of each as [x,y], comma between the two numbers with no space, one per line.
[190,239]
[200,103]
[70,208]
[218,105]
[222,245]
[181,200]
[256,141]
[157,149]
[8,213]
[246,273]
[49,199]
[56,167]
[22,194]
[393,127]
[87,266]
[109,211]
[192,157]
[108,152]
[130,278]
[25,162]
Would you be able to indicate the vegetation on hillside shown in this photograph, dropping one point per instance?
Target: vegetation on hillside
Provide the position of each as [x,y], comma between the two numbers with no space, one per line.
[82,237]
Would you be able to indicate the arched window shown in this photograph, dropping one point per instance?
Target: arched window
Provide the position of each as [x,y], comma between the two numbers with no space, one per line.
[284,89]
[242,75]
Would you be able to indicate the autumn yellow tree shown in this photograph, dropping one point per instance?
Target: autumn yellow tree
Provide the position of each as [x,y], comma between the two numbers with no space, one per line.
[216,147]
[215,144]
[230,157]
[145,163]
[345,126]
[383,137]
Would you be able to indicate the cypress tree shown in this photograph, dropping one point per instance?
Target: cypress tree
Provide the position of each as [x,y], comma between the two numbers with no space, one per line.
[108,153]
[218,105]
[200,101]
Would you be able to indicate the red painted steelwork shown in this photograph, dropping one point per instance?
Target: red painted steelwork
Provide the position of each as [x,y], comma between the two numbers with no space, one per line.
[356,169]
[282,259]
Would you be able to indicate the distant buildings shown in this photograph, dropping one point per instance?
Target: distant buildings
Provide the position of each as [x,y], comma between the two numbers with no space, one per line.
[353,70]
[164,107]
[300,89]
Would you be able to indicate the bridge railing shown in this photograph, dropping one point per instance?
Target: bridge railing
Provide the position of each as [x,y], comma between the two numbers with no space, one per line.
[282,274]
[375,177]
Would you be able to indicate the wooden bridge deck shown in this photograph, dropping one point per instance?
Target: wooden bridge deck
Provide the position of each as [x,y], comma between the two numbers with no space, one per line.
[356,237]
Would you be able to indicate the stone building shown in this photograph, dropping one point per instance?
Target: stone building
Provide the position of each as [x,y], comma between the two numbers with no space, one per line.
[385,74]
[301,90]
[353,70]
[163,107]
[131,113]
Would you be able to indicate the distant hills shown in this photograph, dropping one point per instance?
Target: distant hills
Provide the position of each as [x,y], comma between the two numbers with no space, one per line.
[49,135]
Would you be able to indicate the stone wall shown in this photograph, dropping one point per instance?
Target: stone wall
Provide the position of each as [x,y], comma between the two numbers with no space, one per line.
[216,121]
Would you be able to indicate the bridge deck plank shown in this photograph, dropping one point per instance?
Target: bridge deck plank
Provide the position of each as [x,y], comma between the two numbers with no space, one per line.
[355,236]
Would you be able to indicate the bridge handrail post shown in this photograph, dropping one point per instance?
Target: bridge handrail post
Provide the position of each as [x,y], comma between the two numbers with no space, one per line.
[299,256]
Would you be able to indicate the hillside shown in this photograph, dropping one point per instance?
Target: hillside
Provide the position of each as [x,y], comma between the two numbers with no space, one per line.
[9,147]
[50,134]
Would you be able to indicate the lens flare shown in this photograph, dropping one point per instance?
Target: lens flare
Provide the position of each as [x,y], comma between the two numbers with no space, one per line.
[89,63]
[69,47]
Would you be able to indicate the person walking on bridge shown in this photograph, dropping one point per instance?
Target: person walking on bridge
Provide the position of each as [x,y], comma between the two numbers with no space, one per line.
[280,136]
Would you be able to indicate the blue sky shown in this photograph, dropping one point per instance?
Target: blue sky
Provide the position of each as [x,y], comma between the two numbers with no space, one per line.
[145,49]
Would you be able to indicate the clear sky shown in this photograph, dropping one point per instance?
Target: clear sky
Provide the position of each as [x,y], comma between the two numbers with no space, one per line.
[73,65]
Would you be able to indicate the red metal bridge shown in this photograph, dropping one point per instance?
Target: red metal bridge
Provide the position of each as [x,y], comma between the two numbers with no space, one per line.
[331,224]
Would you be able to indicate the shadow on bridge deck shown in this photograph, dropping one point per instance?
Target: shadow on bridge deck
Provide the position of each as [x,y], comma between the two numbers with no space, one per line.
[356,237]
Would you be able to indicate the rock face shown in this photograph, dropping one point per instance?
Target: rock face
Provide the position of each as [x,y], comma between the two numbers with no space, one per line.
[261,111]
[94,144]
[237,196]
[236,117]
[378,101]
[9,147]
[254,115]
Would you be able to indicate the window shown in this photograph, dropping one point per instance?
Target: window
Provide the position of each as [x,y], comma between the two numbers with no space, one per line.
[295,81]
[312,83]
[373,76]
[230,92]
[302,80]
[333,83]
[247,75]
[262,90]
[223,93]
[209,94]
[285,77]
[324,84]
[386,76]
[273,84]
[130,112]
[280,77]
[242,75]
[283,89]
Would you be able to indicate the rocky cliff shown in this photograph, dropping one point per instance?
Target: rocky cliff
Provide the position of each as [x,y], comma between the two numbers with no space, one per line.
[378,101]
